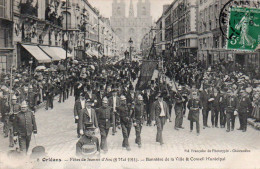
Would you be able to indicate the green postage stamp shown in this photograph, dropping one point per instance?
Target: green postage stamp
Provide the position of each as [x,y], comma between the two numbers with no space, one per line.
[244,29]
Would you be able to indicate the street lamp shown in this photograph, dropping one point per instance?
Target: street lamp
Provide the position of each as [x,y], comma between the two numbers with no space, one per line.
[130,44]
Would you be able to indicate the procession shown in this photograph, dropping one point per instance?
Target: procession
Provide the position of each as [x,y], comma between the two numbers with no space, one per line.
[106,97]
[82,80]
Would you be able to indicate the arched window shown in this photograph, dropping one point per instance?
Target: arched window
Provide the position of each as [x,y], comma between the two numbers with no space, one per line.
[118,11]
[68,20]
[143,11]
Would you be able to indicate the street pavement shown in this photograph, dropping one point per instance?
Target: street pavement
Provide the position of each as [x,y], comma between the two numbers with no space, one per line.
[57,133]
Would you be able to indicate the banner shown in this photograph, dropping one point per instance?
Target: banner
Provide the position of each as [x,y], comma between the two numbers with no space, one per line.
[146,73]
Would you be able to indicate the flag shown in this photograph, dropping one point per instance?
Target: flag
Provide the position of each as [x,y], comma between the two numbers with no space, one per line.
[146,73]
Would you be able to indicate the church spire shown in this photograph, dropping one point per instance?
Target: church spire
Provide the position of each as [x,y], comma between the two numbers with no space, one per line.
[131,9]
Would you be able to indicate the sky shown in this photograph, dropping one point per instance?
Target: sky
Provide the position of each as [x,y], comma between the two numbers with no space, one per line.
[105,7]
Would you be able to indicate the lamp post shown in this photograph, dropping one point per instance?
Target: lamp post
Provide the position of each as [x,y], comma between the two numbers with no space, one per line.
[130,49]
[31,62]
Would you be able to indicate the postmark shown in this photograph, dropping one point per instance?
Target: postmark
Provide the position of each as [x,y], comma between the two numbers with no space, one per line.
[224,15]
[243,29]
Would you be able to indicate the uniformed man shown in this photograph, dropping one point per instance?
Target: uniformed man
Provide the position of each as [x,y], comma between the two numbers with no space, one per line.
[24,125]
[160,114]
[125,115]
[179,109]
[14,110]
[88,144]
[105,121]
[230,109]
[139,117]
[194,106]
[243,107]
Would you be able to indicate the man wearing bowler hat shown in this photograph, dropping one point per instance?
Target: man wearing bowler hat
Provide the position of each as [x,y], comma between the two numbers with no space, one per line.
[159,114]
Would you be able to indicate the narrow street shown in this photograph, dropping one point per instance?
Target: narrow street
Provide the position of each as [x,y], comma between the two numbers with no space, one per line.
[57,133]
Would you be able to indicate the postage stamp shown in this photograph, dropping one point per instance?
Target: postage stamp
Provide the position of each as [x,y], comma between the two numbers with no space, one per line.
[243,29]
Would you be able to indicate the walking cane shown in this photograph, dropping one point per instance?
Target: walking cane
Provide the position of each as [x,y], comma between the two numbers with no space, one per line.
[34,139]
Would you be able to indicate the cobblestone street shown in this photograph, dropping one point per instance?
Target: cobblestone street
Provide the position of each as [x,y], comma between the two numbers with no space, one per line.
[57,133]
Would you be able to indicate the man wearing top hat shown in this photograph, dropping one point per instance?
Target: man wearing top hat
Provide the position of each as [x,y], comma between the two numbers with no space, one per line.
[78,106]
[24,125]
[125,115]
[105,121]
[87,115]
[159,114]
[114,102]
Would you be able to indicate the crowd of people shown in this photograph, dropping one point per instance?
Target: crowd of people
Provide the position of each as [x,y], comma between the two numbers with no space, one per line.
[106,97]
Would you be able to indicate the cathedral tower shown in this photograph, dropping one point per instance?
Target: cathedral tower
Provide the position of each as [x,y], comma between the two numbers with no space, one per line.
[131,10]
[143,9]
[118,8]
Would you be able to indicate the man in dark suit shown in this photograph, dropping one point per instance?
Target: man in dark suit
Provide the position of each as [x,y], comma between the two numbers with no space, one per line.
[159,114]
[87,116]
[243,110]
[90,95]
[79,105]
[105,119]
[230,109]
[139,117]
[114,102]
[24,125]
[204,97]
[148,100]
[125,114]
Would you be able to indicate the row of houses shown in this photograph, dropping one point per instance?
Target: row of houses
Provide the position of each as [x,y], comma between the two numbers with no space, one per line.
[42,31]
[189,30]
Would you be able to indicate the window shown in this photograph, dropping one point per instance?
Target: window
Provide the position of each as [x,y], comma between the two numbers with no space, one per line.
[68,20]
[2,8]
[2,63]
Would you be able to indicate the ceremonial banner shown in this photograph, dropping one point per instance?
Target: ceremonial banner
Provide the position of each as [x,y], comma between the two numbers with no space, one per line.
[146,73]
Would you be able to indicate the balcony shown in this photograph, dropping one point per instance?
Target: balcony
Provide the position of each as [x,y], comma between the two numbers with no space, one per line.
[29,8]
[53,17]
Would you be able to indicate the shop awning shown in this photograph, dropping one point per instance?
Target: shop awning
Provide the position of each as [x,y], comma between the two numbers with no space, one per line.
[51,53]
[60,52]
[258,47]
[37,53]
[89,54]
